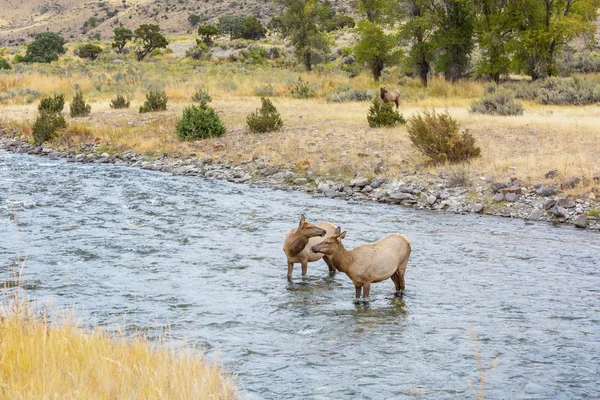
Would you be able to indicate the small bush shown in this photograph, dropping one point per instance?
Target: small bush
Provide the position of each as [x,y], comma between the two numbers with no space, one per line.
[202,96]
[264,90]
[198,52]
[346,93]
[558,91]
[199,122]
[119,102]
[54,104]
[302,90]
[265,119]
[500,102]
[156,100]
[437,136]
[4,64]
[46,125]
[383,114]
[78,106]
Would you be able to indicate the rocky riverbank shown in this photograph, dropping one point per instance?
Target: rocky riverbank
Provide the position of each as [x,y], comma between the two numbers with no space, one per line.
[510,199]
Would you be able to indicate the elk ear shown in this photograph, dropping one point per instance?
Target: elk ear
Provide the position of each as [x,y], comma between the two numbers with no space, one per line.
[302,219]
[338,230]
[343,235]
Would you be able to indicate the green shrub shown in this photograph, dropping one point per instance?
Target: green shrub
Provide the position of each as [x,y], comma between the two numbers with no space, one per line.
[500,102]
[346,93]
[78,106]
[45,48]
[383,114]
[254,55]
[264,119]
[437,136]
[4,64]
[302,90]
[119,102]
[46,125]
[198,52]
[264,90]
[202,96]
[199,122]
[156,100]
[54,104]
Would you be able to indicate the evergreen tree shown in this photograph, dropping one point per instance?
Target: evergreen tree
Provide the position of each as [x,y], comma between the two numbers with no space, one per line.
[45,48]
[121,38]
[149,38]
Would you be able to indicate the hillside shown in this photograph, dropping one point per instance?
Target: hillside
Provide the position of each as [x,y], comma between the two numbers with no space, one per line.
[21,19]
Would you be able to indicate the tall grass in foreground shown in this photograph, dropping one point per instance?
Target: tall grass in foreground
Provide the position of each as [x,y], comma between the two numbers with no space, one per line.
[42,360]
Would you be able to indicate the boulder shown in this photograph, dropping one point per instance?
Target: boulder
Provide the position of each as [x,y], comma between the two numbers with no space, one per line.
[566,203]
[581,221]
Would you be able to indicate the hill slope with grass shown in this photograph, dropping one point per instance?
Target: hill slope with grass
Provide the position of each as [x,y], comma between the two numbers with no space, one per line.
[21,19]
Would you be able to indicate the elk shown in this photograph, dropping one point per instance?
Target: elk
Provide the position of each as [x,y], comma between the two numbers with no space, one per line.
[390,97]
[298,242]
[368,263]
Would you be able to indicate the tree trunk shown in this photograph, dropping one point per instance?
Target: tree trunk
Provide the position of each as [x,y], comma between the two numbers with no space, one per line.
[308,61]
[423,71]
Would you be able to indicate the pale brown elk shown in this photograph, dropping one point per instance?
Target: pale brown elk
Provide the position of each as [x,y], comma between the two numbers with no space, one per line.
[390,97]
[298,242]
[368,263]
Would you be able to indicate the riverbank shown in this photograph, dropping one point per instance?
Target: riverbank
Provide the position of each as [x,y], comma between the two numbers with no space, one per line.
[450,192]
[41,359]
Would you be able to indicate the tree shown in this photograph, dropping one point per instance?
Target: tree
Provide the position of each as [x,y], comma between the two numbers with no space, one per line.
[418,32]
[544,26]
[280,25]
[454,37]
[376,10]
[89,51]
[231,25]
[493,30]
[45,48]
[194,19]
[149,38]
[4,64]
[122,36]
[207,32]
[253,29]
[375,48]
[306,37]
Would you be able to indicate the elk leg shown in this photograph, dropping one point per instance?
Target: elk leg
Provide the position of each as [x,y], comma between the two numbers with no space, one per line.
[290,269]
[304,268]
[366,291]
[330,265]
[396,281]
[358,290]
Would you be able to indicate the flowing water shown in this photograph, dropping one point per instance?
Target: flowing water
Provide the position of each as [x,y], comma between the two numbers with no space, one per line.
[147,250]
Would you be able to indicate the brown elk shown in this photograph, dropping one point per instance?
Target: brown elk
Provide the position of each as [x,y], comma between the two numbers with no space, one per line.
[368,263]
[298,242]
[390,97]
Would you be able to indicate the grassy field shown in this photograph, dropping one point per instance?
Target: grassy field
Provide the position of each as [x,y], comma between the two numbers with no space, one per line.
[43,360]
[332,139]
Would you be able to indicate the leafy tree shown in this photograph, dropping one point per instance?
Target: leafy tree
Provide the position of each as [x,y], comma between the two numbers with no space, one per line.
[89,51]
[253,29]
[375,48]
[207,32]
[280,25]
[418,32]
[306,36]
[376,10]
[454,37]
[493,30]
[149,38]
[339,21]
[231,25]
[45,48]
[122,36]
[543,27]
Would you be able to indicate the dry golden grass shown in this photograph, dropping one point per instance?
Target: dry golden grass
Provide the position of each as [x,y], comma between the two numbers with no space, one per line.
[41,360]
[332,139]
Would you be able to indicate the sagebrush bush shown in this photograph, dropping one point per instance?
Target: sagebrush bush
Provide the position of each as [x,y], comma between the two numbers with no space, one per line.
[264,90]
[346,93]
[199,122]
[119,102]
[500,102]
[302,90]
[437,136]
[558,91]
[198,52]
[202,96]
[265,119]
[54,104]
[383,114]
[156,100]
[46,125]
[78,106]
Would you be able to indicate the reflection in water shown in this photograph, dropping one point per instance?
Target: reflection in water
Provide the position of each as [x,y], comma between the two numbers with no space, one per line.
[149,250]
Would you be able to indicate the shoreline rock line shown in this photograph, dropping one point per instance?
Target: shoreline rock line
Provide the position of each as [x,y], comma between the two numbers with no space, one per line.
[511,200]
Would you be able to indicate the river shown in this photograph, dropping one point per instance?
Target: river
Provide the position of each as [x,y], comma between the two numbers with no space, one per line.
[146,250]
